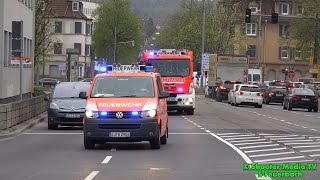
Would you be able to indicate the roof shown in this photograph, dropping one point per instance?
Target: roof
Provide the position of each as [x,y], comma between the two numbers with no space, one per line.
[123,74]
[63,9]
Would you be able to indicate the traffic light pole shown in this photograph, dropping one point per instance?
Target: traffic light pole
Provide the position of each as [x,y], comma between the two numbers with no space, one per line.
[203,38]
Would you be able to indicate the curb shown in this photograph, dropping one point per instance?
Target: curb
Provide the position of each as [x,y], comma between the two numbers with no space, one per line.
[23,127]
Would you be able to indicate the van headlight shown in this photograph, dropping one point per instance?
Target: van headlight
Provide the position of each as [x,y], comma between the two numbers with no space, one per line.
[92,110]
[149,113]
[190,99]
[54,106]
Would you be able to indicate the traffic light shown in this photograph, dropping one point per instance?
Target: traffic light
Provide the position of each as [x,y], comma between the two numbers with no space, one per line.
[248,15]
[274,18]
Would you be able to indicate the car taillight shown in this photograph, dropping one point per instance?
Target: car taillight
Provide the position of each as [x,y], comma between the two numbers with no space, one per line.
[270,94]
[240,93]
[222,88]
[296,98]
[259,94]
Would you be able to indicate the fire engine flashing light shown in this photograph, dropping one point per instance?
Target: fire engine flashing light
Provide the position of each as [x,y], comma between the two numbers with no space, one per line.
[125,68]
[180,89]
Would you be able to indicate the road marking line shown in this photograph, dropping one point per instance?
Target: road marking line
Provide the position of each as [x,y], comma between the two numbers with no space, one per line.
[251,147]
[289,123]
[92,175]
[314,130]
[237,136]
[305,146]
[304,140]
[275,159]
[302,143]
[281,162]
[158,169]
[315,155]
[187,133]
[270,117]
[221,134]
[282,120]
[310,150]
[304,127]
[293,138]
[253,140]
[183,116]
[276,119]
[106,160]
[262,178]
[314,137]
[280,136]
[271,154]
[243,155]
[199,126]
[207,131]
[202,128]
[242,138]
[264,115]
[296,125]
[53,133]
[262,150]
[264,134]
[252,143]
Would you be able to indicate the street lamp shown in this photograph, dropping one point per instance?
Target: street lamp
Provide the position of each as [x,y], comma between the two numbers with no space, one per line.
[115,47]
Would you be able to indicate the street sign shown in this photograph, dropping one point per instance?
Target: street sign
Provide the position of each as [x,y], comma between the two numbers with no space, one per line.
[291,74]
[205,62]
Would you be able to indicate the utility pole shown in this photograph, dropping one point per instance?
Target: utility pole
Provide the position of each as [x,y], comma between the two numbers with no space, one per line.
[259,38]
[203,38]
[115,45]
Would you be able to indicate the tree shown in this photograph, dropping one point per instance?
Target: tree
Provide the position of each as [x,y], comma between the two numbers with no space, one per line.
[306,29]
[43,34]
[184,29]
[115,19]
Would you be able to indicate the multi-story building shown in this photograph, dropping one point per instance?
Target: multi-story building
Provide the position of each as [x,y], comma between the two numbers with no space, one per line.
[72,29]
[14,13]
[271,49]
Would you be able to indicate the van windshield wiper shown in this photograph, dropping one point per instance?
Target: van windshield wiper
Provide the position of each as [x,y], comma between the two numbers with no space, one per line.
[129,96]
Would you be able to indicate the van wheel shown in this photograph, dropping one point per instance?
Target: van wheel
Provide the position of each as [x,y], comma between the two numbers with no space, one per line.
[190,112]
[88,144]
[309,109]
[155,143]
[52,126]
[164,138]
[315,110]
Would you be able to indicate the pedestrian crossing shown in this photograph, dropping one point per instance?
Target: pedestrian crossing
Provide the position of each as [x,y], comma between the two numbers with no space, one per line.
[276,148]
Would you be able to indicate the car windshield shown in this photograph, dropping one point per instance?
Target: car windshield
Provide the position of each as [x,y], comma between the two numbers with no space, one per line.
[69,90]
[123,87]
[169,67]
[250,88]
[303,92]
[307,80]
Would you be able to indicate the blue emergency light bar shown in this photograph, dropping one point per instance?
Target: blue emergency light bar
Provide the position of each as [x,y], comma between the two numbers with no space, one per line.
[125,68]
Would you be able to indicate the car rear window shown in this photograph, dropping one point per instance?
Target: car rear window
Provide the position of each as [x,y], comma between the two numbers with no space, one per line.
[250,88]
[278,90]
[303,92]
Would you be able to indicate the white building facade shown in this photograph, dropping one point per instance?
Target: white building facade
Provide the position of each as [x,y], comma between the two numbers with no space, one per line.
[16,11]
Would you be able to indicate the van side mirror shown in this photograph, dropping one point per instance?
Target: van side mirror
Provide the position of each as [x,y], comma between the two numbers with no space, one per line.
[164,94]
[46,98]
[83,95]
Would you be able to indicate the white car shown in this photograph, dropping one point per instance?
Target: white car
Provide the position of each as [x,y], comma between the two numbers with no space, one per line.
[232,92]
[248,95]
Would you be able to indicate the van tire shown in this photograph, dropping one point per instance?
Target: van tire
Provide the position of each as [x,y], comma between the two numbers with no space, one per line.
[190,111]
[164,138]
[88,144]
[155,143]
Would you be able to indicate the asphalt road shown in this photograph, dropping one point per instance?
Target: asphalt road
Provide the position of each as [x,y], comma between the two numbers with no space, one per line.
[211,145]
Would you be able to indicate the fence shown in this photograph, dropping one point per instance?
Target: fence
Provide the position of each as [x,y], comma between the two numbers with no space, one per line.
[18,112]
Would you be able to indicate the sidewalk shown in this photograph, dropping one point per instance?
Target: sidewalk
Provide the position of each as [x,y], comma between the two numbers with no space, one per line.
[18,129]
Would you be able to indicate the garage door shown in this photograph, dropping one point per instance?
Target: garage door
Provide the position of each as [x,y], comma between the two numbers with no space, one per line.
[54,71]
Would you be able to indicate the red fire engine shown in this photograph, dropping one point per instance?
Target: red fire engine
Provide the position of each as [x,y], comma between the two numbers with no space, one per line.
[176,70]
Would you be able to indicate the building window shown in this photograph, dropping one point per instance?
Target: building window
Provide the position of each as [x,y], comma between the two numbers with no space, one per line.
[88,48]
[75,6]
[78,28]
[284,9]
[284,30]
[58,27]
[80,71]
[254,10]
[251,51]
[88,29]
[297,54]
[299,10]
[284,52]
[57,48]
[251,29]
[78,46]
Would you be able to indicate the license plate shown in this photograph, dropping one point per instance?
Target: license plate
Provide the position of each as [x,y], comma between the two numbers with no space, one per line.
[305,99]
[72,116]
[279,95]
[171,99]
[119,134]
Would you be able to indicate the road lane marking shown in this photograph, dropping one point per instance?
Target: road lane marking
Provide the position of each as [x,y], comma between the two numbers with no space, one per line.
[276,159]
[106,160]
[281,162]
[252,143]
[252,147]
[302,143]
[92,175]
[242,138]
[281,136]
[262,150]
[282,120]
[199,126]
[314,137]
[158,169]
[207,131]
[265,134]
[238,136]
[313,130]
[202,128]
[305,146]
[311,150]
[262,178]
[315,155]
[271,154]
[303,140]
[221,134]
[289,123]
[293,138]
[304,127]
[252,140]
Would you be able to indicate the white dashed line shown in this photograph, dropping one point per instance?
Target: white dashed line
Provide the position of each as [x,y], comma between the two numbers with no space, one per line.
[237,136]
[221,134]
[92,175]
[262,150]
[252,147]
[207,131]
[276,159]
[302,143]
[303,140]
[242,138]
[289,123]
[304,127]
[199,126]
[106,160]
[282,120]
[315,155]
[293,138]
[272,134]
[281,136]
[252,140]
[314,137]
[202,128]
[272,154]
[305,146]
[281,162]
[262,178]
[313,130]
[241,144]
[311,150]
[158,169]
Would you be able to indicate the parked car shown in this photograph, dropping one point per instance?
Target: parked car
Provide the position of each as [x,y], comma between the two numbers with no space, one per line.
[87,80]
[274,94]
[301,98]
[312,87]
[248,95]
[49,81]
[66,108]
[317,86]
[232,92]
[223,90]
